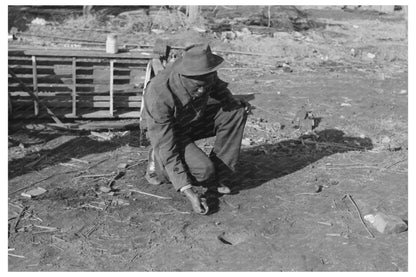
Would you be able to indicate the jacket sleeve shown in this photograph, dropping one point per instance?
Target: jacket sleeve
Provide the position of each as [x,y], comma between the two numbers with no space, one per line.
[164,139]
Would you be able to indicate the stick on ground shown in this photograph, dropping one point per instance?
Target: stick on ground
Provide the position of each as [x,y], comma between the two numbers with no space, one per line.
[359,214]
[149,194]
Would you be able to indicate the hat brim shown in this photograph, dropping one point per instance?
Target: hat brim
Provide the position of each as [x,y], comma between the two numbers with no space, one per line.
[179,68]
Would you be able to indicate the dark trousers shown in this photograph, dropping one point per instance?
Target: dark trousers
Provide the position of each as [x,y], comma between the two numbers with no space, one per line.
[228,127]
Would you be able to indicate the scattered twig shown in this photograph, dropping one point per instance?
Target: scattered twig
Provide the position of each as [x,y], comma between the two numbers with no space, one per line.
[387,167]
[110,183]
[69,165]
[368,167]
[81,161]
[149,194]
[18,219]
[46,231]
[348,165]
[44,179]
[308,193]
[96,175]
[178,211]
[241,68]
[138,162]
[325,223]
[58,238]
[134,257]
[16,205]
[46,227]
[36,217]
[97,163]
[333,235]
[281,198]
[32,164]
[17,256]
[359,214]
[334,144]
[92,230]
[57,247]
[91,206]
[231,205]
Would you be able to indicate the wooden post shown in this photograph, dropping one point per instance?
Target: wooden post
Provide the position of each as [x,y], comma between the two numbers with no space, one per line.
[143,128]
[111,87]
[193,14]
[10,105]
[74,86]
[269,16]
[146,81]
[35,84]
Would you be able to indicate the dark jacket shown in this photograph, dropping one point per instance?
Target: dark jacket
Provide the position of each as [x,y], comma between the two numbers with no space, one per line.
[168,109]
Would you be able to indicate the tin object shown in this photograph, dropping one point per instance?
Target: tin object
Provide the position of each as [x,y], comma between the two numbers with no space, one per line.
[111,44]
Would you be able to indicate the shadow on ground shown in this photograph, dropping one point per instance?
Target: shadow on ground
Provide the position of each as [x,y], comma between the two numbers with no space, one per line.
[260,164]
[263,163]
[79,146]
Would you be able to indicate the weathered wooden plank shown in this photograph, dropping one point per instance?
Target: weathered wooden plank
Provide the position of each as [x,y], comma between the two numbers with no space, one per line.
[35,85]
[119,88]
[89,54]
[157,66]
[50,69]
[146,82]
[87,96]
[111,86]
[66,113]
[81,79]
[74,86]
[80,104]
[105,125]
[106,114]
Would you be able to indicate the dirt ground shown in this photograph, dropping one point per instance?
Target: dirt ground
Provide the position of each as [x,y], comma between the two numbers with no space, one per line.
[295,196]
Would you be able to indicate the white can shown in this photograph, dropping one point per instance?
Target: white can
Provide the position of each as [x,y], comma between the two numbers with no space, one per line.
[111,44]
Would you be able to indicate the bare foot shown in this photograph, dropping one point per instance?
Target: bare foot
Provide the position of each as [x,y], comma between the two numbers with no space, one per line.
[199,206]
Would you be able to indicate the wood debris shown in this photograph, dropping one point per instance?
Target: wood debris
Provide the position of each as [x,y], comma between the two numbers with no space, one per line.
[34,192]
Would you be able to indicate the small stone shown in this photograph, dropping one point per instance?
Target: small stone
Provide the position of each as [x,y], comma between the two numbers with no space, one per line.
[386,224]
[105,189]
[346,105]
[228,35]
[318,188]
[122,166]
[246,31]
[385,140]
[38,21]
[403,91]
[158,31]
[246,142]
[199,30]
[371,55]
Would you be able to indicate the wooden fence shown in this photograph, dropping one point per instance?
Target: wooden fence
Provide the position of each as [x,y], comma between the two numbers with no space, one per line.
[77,83]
